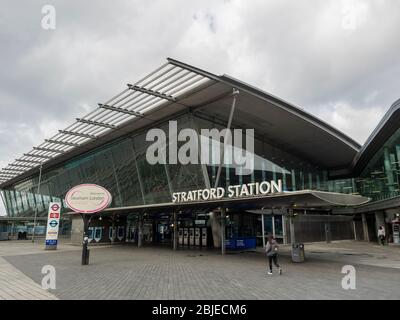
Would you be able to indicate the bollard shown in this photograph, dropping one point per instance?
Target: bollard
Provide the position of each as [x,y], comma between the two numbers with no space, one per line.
[85,251]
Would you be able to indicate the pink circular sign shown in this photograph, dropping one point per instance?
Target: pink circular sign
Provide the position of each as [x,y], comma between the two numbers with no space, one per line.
[88,198]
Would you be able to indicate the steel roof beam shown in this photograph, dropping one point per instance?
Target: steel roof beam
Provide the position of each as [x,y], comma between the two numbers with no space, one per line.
[121,110]
[7,175]
[47,150]
[77,134]
[37,156]
[21,166]
[13,170]
[95,123]
[62,143]
[151,92]
[28,161]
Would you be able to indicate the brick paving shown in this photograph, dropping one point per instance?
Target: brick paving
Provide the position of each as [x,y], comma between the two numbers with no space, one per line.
[127,272]
[352,252]
[14,285]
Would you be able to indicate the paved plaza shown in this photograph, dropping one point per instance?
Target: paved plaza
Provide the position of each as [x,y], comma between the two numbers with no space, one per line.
[14,285]
[127,272]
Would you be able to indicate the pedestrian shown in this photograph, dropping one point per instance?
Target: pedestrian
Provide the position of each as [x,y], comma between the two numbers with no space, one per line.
[381,235]
[271,250]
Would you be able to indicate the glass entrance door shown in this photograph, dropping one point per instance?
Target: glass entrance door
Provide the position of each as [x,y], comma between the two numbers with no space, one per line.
[273,225]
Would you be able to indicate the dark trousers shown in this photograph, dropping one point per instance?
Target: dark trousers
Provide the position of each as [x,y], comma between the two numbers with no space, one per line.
[382,240]
[273,258]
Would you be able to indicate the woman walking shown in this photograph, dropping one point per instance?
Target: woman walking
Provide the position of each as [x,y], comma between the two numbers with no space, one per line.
[381,235]
[271,250]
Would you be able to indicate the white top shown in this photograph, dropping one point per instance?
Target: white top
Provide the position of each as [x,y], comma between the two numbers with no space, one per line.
[381,232]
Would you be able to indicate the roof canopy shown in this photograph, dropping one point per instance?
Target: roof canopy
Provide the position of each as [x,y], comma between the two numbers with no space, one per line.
[301,199]
[385,129]
[176,87]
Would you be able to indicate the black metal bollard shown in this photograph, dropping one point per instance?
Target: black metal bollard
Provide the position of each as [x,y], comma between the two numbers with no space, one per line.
[85,252]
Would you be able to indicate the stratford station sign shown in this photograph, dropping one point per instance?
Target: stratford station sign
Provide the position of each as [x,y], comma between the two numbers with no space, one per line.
[235,191]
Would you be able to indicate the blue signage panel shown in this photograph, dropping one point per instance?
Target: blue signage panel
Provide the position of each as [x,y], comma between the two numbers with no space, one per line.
[51,242]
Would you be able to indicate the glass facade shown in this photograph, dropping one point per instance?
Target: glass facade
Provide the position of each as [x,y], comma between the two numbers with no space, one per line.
[122,168]
[381,177]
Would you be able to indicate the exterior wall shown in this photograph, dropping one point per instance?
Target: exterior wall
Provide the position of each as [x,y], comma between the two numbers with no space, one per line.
[359,230]
[312,228]
[372,220]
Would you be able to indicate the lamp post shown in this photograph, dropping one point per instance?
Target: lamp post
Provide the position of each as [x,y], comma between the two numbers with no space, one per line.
[36,209]
[85,250]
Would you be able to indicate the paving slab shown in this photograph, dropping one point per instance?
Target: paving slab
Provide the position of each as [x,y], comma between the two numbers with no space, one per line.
[128,272]
[15,285]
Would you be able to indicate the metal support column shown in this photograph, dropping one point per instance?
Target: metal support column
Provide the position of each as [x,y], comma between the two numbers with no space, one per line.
[36,209]
[365,226]
[221,160]
[140,233]
[285,238]
[113,230]
[291,223]
[85,250]
[175,231]
[328,232]
[202,165]
[273,224]
[138,172]
[223,215]
[263,230]
[355,230]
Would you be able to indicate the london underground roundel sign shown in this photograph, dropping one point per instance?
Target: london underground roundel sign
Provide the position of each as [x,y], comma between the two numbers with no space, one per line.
[88,198]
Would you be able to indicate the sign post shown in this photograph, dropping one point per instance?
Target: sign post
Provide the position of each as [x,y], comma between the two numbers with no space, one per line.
[53,224]
[87,199]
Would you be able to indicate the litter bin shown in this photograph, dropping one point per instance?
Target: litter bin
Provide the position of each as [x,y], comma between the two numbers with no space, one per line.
[298,252]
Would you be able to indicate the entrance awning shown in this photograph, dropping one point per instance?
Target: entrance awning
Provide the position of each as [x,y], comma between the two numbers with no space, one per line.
[303,199]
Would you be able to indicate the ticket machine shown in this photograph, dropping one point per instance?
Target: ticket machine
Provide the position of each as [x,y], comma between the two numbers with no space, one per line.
[197,236]
[180,236]
[120,232]
[191,236]
[185,236]
[112,233]
[204,237]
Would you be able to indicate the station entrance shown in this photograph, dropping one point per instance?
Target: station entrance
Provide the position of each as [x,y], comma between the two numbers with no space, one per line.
[228,224]
[243,229]
[193,229]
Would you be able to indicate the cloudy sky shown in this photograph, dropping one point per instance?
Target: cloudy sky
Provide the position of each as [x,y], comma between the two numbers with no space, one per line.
[336,59]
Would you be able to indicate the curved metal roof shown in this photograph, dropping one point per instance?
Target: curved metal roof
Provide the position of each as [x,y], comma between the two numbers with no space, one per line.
[177,87]
[385,129]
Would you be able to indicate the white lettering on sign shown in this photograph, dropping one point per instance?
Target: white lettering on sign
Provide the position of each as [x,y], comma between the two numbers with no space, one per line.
[236,191]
